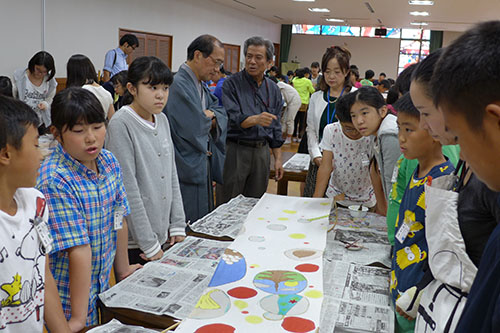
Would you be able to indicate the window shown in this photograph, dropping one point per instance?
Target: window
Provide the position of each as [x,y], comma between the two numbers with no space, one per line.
[414,46]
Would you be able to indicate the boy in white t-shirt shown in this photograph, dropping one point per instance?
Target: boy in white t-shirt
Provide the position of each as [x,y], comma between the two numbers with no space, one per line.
[345,169]
[26,284]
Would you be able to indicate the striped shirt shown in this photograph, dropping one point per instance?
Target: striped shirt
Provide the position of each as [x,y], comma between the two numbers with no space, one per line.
[82,205]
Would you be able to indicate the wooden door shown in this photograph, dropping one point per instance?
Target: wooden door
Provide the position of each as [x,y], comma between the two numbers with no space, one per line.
[232,58]
[151,44]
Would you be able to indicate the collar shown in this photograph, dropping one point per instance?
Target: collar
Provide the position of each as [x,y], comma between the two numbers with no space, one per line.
[79,167]
[120,52]
[251,79]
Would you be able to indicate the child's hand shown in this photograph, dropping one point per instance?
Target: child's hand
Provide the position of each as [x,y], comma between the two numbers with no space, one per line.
[403,314]
[131,269]
[157,256]
[407,304]
[41,106]
[176,239]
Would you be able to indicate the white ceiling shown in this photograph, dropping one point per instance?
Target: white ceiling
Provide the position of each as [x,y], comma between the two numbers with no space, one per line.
[447,15]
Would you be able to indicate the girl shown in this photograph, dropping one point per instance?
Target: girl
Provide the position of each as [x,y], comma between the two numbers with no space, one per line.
[334,83]
[139,135]
[476,205]
[81,73]
[305,88]
[369,116]
[36,86]
[86,197]
[347,154]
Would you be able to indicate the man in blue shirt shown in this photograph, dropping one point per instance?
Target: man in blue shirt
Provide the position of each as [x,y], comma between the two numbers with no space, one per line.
[116,59]
[253,103]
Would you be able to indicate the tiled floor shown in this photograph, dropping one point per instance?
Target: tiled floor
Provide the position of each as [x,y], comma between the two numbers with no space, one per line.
[293,187]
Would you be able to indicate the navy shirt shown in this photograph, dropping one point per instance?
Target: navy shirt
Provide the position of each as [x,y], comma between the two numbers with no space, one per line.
[482,310]
[242,98]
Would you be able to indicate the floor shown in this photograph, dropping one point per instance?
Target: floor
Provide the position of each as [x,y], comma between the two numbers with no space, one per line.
[293,187]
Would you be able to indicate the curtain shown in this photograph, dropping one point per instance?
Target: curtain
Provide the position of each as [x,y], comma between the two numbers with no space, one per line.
[436,40]
[285,41]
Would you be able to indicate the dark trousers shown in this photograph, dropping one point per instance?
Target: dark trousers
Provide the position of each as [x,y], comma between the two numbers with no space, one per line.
[246,171]
[299,124]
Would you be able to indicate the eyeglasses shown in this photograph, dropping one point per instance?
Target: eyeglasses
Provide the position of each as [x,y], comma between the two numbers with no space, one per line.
[133,47]
[217,63]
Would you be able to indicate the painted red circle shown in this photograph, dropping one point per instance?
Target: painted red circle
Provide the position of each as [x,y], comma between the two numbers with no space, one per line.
[298,325]
[244,312]
[307,268]
[216,328]
[242,292]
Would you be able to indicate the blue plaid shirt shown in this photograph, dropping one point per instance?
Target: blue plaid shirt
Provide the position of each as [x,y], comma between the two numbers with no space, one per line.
[82,205]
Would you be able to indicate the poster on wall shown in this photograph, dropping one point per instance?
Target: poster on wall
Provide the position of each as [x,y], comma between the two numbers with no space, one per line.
[270,279]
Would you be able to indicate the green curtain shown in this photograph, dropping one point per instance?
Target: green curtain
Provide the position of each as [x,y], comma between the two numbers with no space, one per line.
[436,40]
[285,41]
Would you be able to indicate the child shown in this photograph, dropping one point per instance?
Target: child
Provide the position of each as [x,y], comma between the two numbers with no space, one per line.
[81,73]
[36,86]
[5,86]
[28,292]
[347,154]
[410,248]
[305,88]
[369,116]
[139,136]
[292,105]
[85,193]
[472,112]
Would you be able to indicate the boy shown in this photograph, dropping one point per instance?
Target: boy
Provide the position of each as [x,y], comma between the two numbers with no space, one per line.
[471,111]
[347,153]
[24,273]
[410,246]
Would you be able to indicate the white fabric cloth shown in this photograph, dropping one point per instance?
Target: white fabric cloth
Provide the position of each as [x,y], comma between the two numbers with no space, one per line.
[444,298]
[351,167]
[22,266]
[102,95]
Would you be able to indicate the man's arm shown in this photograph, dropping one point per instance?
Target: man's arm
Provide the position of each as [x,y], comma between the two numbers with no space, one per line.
[278,164]
[80,266]
[53,314]
[105,76]
[264,119]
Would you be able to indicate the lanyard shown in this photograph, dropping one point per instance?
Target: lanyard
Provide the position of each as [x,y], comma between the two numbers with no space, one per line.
[256,93]
[329,119]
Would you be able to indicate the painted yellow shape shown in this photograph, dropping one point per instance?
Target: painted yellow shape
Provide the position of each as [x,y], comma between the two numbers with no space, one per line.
[254,319]
[283,218]
[288,211]
[409,255]
[261,218]
[240,304]
[255,265]
[297,236]
[291,283]
[314,294]
[206,302]
[325,204]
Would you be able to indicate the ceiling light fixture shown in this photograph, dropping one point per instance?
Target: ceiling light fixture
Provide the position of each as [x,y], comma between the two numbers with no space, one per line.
[419,13]
[304,0]
[335,20]
[419,23]
[319,10]
[421,2]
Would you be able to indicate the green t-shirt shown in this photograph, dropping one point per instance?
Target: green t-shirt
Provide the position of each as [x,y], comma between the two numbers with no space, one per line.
[304,87]
[366,82]
[401,178]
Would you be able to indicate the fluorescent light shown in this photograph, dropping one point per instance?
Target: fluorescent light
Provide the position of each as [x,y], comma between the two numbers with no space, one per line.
[419,2]
[335,20]
[319,10]
[419,13]
[419,23]
[304,0]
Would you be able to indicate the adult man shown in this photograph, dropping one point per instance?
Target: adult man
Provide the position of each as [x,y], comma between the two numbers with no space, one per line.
[116,59]
[253,104]
[198,126]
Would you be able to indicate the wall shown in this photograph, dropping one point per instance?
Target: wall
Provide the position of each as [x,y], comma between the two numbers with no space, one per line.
[378,54]
[91,27]
[450,36]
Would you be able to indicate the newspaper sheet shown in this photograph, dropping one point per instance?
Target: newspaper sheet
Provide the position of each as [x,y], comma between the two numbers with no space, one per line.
[227,219]
[372,221]
[373,246]
[114,326]
[172,285]
[298,162]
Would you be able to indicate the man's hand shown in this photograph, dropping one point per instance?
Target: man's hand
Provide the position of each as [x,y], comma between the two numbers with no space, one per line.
[176,239]
[265,119]
[209,114]
[278,169]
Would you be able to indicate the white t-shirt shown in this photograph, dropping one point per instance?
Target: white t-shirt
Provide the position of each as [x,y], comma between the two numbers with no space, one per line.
[351,167]
[22,266]
[34,95]
[102,95]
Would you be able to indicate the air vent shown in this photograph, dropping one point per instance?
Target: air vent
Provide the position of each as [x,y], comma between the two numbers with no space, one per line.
[367,4]
[379,21]
[244,4]
[279,18]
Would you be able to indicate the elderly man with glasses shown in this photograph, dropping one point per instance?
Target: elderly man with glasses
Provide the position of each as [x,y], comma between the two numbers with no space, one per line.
[198,126]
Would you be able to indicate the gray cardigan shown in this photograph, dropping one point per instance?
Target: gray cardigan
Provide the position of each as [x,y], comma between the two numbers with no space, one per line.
[146,156]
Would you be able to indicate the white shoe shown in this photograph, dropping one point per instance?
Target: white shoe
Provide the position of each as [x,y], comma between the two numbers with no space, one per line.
[288,140]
